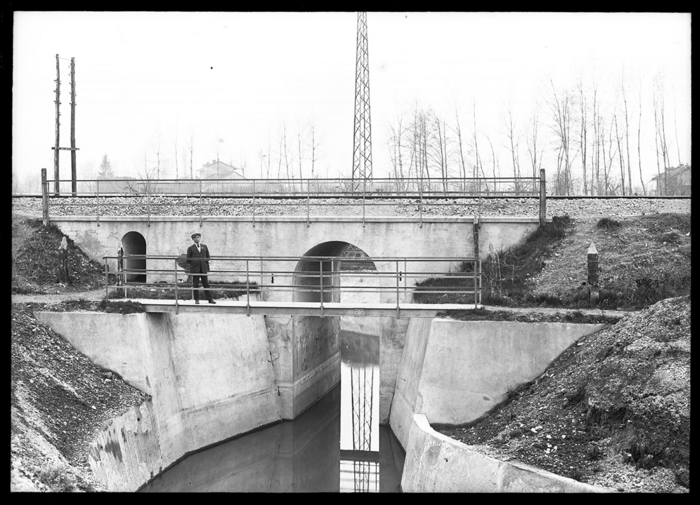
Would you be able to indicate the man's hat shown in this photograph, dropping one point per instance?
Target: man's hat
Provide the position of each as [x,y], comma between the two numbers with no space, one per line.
[196,234]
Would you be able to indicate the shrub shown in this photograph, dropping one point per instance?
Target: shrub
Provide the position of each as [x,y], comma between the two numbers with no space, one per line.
[608,224]
[57,479]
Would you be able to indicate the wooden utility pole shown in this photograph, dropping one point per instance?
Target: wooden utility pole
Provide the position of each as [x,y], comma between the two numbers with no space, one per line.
[72,147]
[73,173]
[56,189]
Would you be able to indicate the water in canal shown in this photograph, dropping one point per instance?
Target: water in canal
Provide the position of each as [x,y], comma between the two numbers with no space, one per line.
[337,445]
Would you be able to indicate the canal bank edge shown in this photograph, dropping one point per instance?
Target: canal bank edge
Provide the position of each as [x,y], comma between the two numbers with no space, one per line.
[437,463]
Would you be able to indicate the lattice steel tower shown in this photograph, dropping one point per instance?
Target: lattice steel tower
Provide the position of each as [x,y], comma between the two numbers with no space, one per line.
[362,138]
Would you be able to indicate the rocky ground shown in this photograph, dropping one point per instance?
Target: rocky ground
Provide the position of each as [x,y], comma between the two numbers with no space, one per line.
[615,407]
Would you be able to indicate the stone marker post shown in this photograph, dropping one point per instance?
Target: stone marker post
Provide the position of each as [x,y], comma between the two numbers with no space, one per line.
[592,274]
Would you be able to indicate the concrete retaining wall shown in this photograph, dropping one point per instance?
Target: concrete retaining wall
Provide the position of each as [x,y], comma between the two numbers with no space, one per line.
[455,371]
[211,378]
[436,463]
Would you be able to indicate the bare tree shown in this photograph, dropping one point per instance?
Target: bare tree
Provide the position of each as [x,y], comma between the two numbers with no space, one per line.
[190,147]
[639,140]
[531,142]
[439,147]
[560,108]
[156,151]
[675,126]
[608,162]
[475,172]
[661,125]
[597,141]
[287,162]
[583,130]
[623,89]
[513,144]
[314,145]
[658,144]
[458,131]
[619,152]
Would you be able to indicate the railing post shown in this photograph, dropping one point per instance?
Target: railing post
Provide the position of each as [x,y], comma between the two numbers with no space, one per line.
[364,190]
[480,286]
[148,200]
[253,203]
[321,284]
[420,202]
[200,203]
[106,280]
[398,309]
[177,307]
[97,211]
[476,290]
[543,198]
[44,198]
[247,287]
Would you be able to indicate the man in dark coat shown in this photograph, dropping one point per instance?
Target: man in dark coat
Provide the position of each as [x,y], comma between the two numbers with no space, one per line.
[198,260]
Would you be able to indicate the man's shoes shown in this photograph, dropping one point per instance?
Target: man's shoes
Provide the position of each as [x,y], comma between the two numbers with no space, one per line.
[196,302]
[212,301]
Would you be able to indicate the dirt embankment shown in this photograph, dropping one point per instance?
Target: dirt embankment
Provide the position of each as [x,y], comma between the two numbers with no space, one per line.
[612,410]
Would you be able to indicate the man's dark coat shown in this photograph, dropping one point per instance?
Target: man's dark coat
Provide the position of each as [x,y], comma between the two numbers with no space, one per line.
[198,260]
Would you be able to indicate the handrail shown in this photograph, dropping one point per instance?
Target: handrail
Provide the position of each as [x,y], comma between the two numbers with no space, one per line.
[279,274]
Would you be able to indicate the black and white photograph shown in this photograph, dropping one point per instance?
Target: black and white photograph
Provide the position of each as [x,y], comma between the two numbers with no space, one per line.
[350,251]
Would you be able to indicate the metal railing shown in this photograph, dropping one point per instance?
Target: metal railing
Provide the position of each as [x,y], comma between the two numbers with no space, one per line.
[249,196]
[321,279]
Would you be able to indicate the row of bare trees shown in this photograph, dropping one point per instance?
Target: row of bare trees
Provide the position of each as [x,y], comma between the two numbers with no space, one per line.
[584,135]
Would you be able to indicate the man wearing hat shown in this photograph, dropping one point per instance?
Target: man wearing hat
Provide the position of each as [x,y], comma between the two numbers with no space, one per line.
[198,260]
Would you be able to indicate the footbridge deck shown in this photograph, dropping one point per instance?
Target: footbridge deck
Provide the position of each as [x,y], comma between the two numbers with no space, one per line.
[255,307]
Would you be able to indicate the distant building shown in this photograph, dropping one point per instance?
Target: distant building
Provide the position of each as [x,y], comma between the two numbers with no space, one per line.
[220,170]
[677,179]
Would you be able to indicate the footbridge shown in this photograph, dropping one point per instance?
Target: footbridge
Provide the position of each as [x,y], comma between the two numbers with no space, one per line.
[347,283]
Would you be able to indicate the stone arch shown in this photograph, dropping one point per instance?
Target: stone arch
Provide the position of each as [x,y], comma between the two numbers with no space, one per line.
[308,273]
[134,243]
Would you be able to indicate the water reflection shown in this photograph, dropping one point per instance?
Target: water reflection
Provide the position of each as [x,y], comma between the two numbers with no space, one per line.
[326,449]
[359,425]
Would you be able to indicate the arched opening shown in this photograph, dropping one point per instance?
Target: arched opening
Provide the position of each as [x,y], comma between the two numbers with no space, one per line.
[317,279]
[134,243]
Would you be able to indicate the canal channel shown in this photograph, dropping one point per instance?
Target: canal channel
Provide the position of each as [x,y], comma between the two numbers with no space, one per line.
[337,445]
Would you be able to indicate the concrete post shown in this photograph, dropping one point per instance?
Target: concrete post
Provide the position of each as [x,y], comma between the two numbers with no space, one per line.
[543,197]
[593,274]
[44,198]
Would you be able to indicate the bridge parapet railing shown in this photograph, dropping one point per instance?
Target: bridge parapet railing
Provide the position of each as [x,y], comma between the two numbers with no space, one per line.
[255,197]
[320,279]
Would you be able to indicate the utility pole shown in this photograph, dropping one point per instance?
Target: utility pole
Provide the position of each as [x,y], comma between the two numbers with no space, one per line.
[56,189]
[72,148]
[362,138]
[73,172]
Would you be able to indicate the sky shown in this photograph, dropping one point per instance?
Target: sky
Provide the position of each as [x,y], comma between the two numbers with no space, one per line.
[234,82]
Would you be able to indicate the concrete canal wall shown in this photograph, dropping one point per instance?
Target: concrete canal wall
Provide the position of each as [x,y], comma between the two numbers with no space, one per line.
[210,379]
[438,464]
[453,372]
